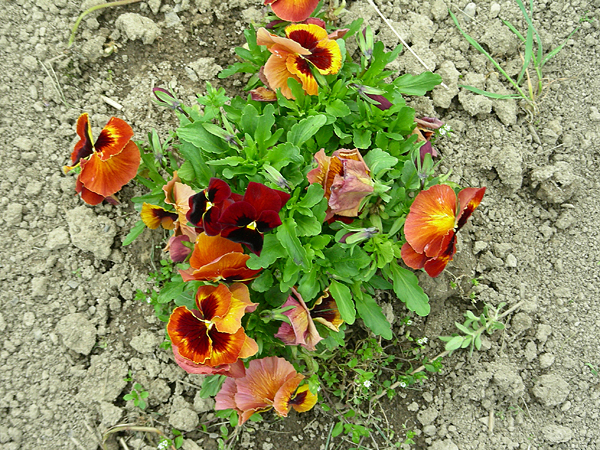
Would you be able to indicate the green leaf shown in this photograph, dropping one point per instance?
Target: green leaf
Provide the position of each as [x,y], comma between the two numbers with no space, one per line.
[197,135]
[282,155]
[372,315]
[454,344]
[361,138]
[264,282]
[305,129]
[343,298]
[337,108]
[314,194]
[406,287]
[378,160]
[417,84]
[194,156]
[170,291]
[286,233]
[272,250]
[309,287]
[337,429]
[137,229]
[211,385]
[249,122]
[307,225]
[244,67]
[410,177]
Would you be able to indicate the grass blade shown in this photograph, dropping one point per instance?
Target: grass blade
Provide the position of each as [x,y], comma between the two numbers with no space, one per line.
[549,56]
[528,53]
[513,29]
[476,44]
[527,18]
[489,94]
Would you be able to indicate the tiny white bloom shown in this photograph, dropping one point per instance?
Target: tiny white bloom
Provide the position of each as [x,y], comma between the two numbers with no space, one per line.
[367,383]
[409,322]
[444,130]
[402,384]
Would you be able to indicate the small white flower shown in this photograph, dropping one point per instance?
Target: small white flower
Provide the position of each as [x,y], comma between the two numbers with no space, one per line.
[367,383]
[444,130]
[409,322]
[402,384]
[163,445]
[422,341]
[148,300]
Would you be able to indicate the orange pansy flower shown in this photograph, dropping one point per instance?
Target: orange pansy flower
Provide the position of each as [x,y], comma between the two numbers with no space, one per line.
[215,258]
[267,383]
[106,165]
[212,335]
[305,46]
[435,217]
[154,216]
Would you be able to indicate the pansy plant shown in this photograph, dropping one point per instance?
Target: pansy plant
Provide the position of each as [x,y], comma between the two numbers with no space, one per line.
[287,210]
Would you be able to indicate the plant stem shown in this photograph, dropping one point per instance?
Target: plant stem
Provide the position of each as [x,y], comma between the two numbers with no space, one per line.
[92,9]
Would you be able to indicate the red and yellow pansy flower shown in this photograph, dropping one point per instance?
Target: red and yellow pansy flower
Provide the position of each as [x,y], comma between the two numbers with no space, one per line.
[435,217]
[211,337]
[107,164]
[305,47]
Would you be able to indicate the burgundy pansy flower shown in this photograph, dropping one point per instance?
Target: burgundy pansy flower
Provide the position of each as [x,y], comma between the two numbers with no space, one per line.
[246,221]
[206,206]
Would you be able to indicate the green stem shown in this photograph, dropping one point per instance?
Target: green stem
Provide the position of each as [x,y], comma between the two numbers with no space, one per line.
[92,9]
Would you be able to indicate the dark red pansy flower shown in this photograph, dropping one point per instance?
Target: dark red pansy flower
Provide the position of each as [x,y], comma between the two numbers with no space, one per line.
[207,205]
[246,221]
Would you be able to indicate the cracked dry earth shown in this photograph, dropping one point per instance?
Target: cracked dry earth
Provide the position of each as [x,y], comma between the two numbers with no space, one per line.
[72,332]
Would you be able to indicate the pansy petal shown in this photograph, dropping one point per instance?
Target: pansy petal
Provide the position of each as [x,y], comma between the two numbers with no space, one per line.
[154,216]
[263,94]
[326,57]
[468,200]
[293,10]
[267,221]
[264,377]
[190,335]
[226,347]
[113,138]
[305,34]
[287,335]
[264,198]
[277,74]
[250,348]
[435,266]
[84,147]
[229,267]
[303,400]
[249,237]
[239,214]
[279,45]
[91,198]
[225,399]
[214,301]
[326,312]
[230,321]
[318,175]
[284,395]
[201,369]
[107,176]
[209,249]
[432,216]
[299,67]
[411,258]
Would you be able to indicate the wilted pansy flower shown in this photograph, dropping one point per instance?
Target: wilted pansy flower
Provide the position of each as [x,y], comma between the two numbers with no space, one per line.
[218,259]
[177,194]
[246,220]
[267,383]
[435,217]
[292,10]
[305,46]
[424,130]
[208,338]
[346,180]
[106,165]
[301,330]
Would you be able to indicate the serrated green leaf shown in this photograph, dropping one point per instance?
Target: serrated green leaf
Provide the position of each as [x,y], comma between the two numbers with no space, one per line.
[361,138]
[264,282]
[337,108]
[343,298]
[286,233]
